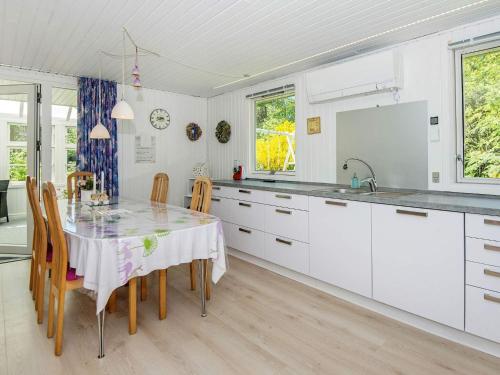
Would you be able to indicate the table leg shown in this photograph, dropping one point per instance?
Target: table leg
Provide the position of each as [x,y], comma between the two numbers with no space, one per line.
[100,327]
[202,288]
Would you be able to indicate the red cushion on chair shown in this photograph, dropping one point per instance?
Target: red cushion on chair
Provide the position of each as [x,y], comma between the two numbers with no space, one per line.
[49,252]
[71,274]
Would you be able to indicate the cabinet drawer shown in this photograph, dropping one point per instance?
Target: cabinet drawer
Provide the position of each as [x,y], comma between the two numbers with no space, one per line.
[482,313]
[221,191]
[250,195]
[481,226]
[299,202]
[483,276]
[218,207]
[287,222]
[245,239]
[483,251]
[287,253]
[247,214]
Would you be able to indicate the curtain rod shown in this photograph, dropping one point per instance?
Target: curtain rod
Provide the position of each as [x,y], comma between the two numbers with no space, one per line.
[270,92]
[475,40]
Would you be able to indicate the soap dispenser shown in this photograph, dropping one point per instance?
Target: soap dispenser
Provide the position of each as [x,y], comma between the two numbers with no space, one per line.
[355,182]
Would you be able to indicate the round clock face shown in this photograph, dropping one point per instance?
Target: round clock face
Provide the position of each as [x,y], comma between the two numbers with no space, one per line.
[159,118]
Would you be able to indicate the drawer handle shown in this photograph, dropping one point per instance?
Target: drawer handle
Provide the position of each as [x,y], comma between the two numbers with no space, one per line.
[283,196]
[289,243]
[489,297]
[413,213]
[215,187]
[334,203]
[245,204]
[283,211]
[491,222]
[216,199]
[245,191]
[244,230]
[491,247]
[491,273]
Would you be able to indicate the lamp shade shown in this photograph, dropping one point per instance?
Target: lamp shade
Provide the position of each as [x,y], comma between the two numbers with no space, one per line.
[122,111]
[99,131]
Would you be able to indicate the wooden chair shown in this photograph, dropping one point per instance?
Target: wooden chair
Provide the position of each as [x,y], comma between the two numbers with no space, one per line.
[42,249]
[72,183]
[159,194]
[200,201]
[63,278]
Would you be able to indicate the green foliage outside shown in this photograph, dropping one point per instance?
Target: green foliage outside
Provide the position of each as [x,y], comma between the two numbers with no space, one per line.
[276,114]
[481,95]
[17,132]
[18,167]
[70,161]
[70,135]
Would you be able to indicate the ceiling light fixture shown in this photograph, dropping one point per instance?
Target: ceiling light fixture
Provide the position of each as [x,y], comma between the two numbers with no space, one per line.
[352,43]
[122,109]
[99,131]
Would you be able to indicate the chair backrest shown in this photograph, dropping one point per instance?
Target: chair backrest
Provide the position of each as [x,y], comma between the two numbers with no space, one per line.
[4,185]
[59,246]
[39,228]
[202,195]
[160,188]
[72,183]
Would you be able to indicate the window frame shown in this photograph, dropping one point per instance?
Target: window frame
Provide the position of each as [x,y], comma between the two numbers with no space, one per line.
[20,145]
[459,116]
[253,137]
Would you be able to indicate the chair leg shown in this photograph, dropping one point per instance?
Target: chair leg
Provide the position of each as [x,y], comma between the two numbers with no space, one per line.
[112,303]
[50,319]
[60,322]
[163,294]
[144,288]
[208,282]
[40,294]
[192,273]
[132,306]
[32,271]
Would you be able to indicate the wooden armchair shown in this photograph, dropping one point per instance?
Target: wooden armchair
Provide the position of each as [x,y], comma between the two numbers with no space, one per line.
[72,183]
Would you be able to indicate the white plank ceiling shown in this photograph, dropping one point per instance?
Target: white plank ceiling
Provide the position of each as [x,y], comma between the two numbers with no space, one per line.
[224,39]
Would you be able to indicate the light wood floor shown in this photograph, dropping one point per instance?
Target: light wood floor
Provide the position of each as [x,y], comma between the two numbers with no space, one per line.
[258,323]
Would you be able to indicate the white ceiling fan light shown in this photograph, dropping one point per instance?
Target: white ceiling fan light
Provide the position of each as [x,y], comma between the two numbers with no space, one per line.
[99,131]
[122,110]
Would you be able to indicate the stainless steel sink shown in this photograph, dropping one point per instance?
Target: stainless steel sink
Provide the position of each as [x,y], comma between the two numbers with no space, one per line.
[386,194]
[347,191]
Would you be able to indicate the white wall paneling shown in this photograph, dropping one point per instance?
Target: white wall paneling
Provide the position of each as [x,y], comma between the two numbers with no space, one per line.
[428,76]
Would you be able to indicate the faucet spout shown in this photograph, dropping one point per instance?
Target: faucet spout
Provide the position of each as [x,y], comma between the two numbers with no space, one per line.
[372,181]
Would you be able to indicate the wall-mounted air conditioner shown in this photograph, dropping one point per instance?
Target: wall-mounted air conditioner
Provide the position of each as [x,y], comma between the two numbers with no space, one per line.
[362,76]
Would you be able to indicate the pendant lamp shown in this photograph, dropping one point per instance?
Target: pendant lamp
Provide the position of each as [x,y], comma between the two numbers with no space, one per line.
[122,109]
[99,131]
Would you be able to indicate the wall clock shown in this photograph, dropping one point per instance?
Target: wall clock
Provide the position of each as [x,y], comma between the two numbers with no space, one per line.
[159,119]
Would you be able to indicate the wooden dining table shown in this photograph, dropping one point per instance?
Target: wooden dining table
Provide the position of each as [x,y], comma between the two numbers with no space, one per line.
[111,244]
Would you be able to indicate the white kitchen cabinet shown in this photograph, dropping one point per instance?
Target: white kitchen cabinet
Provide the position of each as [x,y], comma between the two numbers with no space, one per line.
[287,222]
[248,214]
[483,276]
[218,207]
[340,243]
[482,251]
[483,312]
[244,239]
[418,262]
[287,252]
[481,226]
[299,202]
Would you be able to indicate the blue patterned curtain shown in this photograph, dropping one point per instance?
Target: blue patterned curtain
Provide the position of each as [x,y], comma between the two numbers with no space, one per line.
[97,155]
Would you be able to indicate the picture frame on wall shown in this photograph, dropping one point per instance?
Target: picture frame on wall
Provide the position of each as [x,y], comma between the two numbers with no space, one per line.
[314,125]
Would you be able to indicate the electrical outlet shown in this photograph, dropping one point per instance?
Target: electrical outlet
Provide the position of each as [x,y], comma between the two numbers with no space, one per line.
[435,177]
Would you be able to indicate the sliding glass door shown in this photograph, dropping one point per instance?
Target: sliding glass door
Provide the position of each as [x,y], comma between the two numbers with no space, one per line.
[19,148]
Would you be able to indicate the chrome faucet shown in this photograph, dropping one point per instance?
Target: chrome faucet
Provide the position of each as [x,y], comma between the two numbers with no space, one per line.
[371,181]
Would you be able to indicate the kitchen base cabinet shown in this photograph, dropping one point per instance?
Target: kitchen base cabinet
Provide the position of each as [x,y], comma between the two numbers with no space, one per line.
[287,253]
[418,262]
[482,313]
[340,244]
[245,239]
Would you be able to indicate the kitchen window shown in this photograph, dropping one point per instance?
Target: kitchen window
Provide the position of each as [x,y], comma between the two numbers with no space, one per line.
[274,133]
[477,71]
[18,154]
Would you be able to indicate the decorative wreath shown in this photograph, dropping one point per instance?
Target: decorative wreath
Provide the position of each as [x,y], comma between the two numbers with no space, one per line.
[223,132]
[193,131]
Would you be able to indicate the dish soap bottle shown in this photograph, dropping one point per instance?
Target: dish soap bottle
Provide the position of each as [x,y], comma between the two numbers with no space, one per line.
[355,182]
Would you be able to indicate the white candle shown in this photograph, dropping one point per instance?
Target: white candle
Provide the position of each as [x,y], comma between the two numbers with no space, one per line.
[94,183]
[102,182]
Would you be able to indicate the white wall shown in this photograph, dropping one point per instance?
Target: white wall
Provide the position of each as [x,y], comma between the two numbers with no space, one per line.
[176,154]
[428,75]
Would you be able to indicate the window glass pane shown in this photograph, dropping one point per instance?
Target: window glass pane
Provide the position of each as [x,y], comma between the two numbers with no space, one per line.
[70,135]
[481,114]
[18,132]
[18,159]
[275,134]
[70,161]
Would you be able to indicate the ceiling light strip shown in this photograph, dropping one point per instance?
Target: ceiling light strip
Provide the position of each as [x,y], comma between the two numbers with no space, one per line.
[389,31]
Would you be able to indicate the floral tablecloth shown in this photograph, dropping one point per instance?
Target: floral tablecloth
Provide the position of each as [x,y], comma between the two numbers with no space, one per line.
[109,245]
